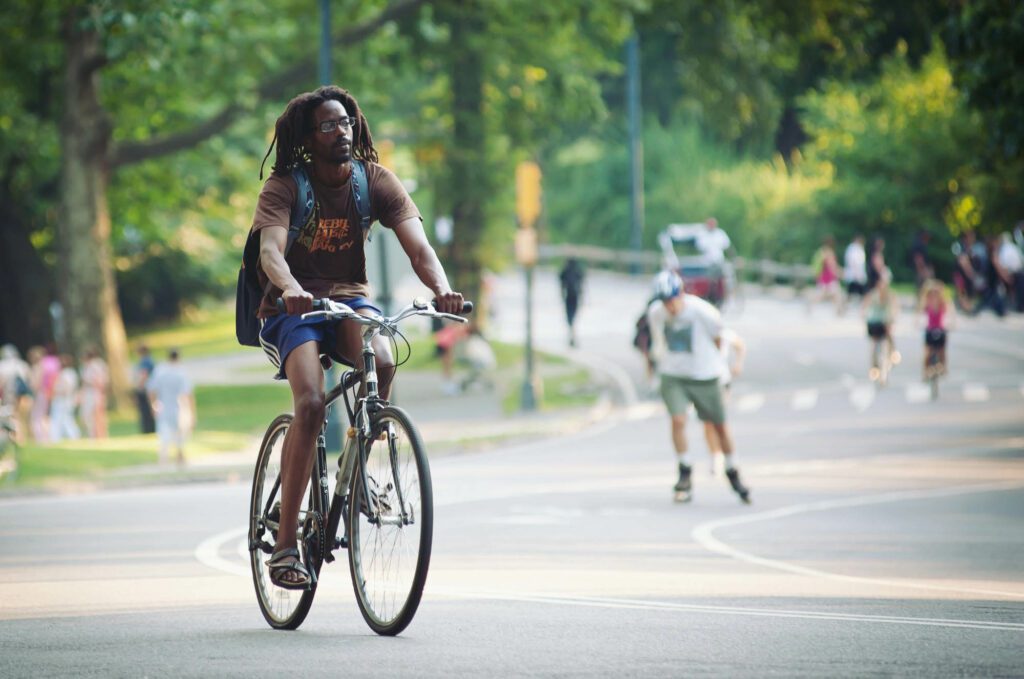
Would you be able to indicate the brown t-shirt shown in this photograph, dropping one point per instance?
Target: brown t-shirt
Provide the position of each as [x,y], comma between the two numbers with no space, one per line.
[327,258]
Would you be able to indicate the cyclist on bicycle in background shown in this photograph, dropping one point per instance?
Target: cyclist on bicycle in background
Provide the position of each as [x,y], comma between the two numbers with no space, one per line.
[880,312]
[939,316]
[323,131]
[686,336]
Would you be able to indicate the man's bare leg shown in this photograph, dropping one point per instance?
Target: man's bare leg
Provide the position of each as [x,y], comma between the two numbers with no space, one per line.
[306,379]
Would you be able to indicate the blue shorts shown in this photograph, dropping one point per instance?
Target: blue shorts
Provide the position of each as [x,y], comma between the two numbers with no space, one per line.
[280,334]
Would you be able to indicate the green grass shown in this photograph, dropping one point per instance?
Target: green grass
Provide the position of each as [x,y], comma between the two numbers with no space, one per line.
[204,332]
[230,417]
[558,389]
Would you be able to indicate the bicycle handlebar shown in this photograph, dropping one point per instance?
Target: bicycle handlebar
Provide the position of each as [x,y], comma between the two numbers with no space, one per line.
[330,309]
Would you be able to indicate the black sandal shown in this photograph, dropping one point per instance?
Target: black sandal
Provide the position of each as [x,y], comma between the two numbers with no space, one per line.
[278,567]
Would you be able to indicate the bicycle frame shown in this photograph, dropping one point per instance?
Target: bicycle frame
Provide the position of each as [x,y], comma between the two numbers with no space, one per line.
[355,449]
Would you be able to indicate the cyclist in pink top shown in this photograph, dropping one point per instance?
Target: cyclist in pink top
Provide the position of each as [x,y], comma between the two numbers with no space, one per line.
[939,315]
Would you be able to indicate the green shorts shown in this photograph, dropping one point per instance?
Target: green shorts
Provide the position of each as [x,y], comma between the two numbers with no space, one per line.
[706,396]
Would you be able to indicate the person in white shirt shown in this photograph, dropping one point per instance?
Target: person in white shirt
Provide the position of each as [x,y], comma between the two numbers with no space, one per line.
[855,271]
[169,388]
[686,333]
[93,406]
[1011,260]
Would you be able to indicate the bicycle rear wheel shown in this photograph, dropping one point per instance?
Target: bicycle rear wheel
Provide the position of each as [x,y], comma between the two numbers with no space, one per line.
[282,608]
[391,524]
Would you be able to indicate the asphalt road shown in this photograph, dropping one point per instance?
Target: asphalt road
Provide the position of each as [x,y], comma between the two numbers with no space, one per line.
[885,537]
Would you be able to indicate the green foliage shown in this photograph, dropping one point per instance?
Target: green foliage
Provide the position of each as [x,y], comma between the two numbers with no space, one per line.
[899,147]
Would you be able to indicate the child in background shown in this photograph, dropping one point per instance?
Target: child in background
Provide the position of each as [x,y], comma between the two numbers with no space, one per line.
[938,317]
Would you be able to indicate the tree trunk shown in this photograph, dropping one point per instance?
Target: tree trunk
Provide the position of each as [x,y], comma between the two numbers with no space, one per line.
[25,284]
[85,272]
[468,156]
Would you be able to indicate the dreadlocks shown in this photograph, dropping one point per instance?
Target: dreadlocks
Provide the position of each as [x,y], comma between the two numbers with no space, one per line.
[296,123]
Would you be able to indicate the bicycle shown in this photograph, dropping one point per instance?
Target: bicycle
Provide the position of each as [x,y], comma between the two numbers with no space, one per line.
[382,492]
[935,364]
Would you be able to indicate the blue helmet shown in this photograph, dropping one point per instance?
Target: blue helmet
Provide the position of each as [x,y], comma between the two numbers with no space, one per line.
[667,284]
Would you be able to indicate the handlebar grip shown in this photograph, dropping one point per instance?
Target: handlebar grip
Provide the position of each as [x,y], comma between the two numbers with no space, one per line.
[467,306]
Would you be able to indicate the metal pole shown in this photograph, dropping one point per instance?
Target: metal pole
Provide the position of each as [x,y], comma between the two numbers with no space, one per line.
[333,438]
[528,399]
[325,42]
[636,149]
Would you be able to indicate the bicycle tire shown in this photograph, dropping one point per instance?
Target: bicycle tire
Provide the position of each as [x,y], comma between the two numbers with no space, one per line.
[388,590]
[281,608]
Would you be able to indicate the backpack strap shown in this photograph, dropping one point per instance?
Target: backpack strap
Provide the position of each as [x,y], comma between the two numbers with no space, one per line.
[305,200]
[361,194]
[303,207]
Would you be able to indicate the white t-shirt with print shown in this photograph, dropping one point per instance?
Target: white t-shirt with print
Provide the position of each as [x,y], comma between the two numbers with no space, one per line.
[684,344]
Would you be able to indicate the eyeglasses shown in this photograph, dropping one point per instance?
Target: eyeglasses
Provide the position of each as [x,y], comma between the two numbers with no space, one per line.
[328,126]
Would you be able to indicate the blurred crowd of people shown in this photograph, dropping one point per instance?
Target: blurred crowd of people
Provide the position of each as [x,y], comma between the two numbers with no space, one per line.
[988,273]
[50,398]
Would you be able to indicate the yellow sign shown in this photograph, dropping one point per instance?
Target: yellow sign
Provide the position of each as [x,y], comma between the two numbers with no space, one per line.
[527,193]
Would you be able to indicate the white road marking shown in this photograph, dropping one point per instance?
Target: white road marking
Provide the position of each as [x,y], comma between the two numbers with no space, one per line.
[975,393]
[862,397]
[751,403]
[804,399]
[641,604]
[704,534]
[918,393]
[208,552]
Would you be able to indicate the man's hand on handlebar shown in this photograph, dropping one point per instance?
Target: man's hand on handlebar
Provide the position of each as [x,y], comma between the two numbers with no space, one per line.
[449,302]
[297,301]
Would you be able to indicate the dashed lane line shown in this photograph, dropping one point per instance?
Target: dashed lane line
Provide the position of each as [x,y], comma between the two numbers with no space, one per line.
[751,403]
[804,399]
[861,397]
[975,392]
[918,393]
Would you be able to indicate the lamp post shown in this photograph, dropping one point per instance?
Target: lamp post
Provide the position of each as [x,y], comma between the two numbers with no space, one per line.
[333,438]
[528,178]
[636,149]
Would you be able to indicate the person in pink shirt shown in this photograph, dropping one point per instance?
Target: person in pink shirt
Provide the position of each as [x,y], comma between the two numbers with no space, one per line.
[938,317]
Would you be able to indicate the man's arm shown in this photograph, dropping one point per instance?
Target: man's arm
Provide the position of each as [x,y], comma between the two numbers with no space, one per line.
[426,264]
[273,240]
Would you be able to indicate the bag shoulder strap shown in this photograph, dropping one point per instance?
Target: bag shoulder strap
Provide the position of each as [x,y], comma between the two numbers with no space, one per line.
[361,193]
[303,207]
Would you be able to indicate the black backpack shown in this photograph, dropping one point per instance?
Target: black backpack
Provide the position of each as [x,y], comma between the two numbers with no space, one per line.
[248,293]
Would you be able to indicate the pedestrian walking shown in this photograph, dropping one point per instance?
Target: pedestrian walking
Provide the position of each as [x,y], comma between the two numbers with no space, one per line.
[876,262]
[143,371]
[826,268]
[171,394]
[686,333]
[93,406]
[571,278]
[64,402]
[45,368]
[855,273]
[1011,261]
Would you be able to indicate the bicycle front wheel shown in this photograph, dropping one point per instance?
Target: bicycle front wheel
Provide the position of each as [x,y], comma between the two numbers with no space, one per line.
[282,608]
[391,524]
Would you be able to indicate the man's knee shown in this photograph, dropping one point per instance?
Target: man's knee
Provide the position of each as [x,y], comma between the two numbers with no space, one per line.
[310,408]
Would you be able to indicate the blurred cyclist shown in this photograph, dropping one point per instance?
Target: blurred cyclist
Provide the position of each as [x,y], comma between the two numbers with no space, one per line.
[939,316]
[686,333]
[880,312]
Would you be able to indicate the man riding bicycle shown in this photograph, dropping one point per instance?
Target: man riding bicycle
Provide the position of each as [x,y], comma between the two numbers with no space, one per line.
[323,131]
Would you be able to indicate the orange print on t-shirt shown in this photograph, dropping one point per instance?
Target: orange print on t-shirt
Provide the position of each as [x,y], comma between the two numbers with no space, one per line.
[331,236]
